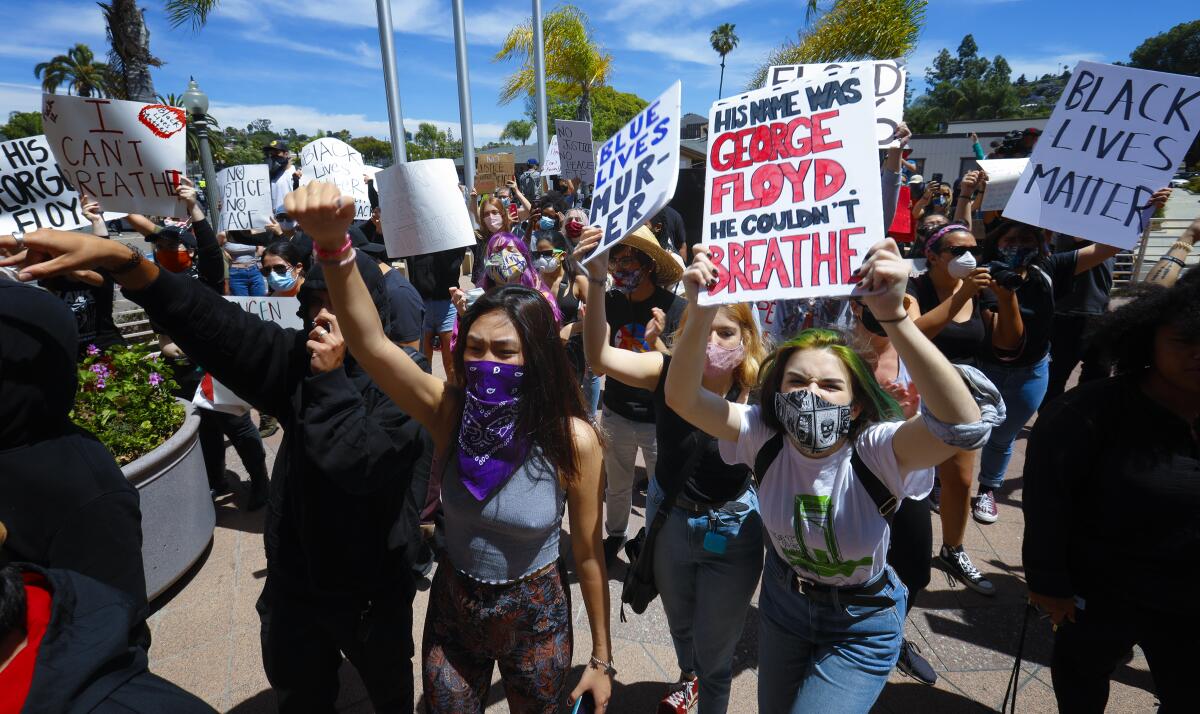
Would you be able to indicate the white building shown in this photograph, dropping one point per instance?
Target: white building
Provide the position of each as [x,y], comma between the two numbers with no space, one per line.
[950,154]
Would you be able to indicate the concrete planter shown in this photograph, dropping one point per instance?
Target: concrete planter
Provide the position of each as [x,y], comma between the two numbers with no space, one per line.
[177,510]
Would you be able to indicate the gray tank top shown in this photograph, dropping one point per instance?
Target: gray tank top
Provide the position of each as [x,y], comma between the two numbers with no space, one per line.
[510,534]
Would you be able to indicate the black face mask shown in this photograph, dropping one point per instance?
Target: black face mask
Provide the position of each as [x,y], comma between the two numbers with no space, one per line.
[276,165]
[870,323]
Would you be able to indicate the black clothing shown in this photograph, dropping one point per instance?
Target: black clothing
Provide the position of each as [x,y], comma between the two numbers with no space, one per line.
[89,659]
[1089,291]
[674,234]
[92,307]
[1068,348]
[910,551]
[712,480]
[64,501]
[1111,487]
[1047,279]
[959,341]
[1087,651]
[627,325]
[208,264]
[433,274]
[568,304]
[407,308]
[339,529]
[247,442]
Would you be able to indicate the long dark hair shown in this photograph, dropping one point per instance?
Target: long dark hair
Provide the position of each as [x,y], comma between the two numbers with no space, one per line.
[1126,334]
[550,393]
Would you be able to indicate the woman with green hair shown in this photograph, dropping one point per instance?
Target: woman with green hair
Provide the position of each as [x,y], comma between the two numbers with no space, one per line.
[833,456]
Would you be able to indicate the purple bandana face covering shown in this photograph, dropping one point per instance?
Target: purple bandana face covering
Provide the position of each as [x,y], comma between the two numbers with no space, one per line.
[489,449]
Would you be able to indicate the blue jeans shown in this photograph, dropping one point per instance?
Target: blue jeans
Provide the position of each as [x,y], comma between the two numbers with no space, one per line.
[819,657]
[1022,389]
[706,594]
[246,282]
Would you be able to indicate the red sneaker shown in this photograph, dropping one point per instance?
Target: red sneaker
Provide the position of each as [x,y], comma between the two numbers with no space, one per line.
[682,697]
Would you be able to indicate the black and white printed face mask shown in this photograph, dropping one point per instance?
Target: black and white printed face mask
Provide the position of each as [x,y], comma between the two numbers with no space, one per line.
[814,425]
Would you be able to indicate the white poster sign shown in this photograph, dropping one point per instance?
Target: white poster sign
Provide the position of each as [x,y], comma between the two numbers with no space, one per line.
[244,197]
[575,148]
[127,155]
[1115,137]
[890,77]
[637,170]
[553,161]
[1002,181]
[793,200]
[422,208]
[34,192]
[283,311]
[334,161]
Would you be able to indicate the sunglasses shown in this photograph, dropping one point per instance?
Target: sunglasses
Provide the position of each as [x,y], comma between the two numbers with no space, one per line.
[552,253]
[277,269]
[960,250]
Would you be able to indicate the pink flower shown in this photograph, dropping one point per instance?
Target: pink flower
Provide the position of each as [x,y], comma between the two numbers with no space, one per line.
[155,379]
[93,350]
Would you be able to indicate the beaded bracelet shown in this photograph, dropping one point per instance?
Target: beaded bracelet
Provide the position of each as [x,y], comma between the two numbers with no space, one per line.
[1180,244]
[322,255]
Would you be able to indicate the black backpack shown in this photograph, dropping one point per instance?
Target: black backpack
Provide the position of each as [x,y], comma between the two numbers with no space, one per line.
[884,500]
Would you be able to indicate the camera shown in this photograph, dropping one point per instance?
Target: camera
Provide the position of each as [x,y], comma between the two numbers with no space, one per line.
[1004,276]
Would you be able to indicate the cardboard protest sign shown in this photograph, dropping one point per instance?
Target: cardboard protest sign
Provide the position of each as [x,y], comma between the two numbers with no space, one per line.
[334,161]
[491,171]
[127,155]
[890,78]
[422,209]
[283,311]
[34,192]
[793,200]
[575,150]
[637,170]
[1115,137]
[244,197]
[1002,181]
[553,161]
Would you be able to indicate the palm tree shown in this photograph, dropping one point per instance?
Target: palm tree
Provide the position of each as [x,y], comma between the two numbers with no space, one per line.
[852,30]
[129,55]
[517,130]
[573,58]
[78,70]
[723,41]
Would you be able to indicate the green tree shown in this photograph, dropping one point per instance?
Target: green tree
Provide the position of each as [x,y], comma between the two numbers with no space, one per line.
[129,54]
[611,109]
[374,151]
[1177,50]
[78,70]
[851,30]
[723,40]
[517,130]
[964,86]
[573,58]
[21,125]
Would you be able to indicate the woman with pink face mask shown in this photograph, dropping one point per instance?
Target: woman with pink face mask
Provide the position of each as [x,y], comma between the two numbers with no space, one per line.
[694,496]
[494,218]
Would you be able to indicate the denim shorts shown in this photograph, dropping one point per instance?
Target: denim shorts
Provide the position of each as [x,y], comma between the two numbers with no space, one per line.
[439,316]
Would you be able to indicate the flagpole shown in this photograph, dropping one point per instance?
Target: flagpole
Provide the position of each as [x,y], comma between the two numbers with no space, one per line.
[464,96]
[539,70]
[387,48]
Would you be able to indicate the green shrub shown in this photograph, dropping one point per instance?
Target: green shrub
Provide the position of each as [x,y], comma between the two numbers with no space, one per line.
[1194,185]
[125,399]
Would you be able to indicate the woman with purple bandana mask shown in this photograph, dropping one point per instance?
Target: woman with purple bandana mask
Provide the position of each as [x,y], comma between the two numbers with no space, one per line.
[519,448]
[693,495]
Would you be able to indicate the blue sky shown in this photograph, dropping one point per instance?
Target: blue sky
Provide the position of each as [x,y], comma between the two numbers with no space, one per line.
[314,64]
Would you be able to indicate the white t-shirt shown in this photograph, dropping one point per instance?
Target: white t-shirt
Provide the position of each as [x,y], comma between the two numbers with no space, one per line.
[820,518]
[281,187]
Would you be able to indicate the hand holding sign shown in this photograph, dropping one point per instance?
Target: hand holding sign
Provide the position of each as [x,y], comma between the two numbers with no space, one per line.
[597,267]
[323,211]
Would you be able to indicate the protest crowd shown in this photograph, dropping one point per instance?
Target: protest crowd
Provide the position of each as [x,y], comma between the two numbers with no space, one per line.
[576,323]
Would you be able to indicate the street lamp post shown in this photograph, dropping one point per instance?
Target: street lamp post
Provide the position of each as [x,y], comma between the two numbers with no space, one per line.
[195,103]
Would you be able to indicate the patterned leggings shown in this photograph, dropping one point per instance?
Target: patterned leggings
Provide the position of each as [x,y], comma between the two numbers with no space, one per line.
[525,627]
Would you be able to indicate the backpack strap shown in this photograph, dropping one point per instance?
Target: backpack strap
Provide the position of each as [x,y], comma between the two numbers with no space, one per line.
[885,500]
[766,456]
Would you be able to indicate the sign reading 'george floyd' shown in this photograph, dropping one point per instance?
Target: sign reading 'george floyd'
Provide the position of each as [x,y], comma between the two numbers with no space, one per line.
[793,199]
[127,155]
[34,192]
[889,76]
[245,197]
[636,170]
[1115,137]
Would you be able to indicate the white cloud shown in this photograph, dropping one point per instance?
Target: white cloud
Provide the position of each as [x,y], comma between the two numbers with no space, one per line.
[308,120]
[650,10]
[1033,66]
[77,22]
[19,98]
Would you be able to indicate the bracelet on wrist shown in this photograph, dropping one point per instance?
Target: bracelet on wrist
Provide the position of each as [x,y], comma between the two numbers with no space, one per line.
[1186,247]
[902,318]
[607,667]
[1173,259]
[337,261]
[323,255]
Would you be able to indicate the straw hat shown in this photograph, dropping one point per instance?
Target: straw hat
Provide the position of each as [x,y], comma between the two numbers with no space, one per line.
[667,270]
